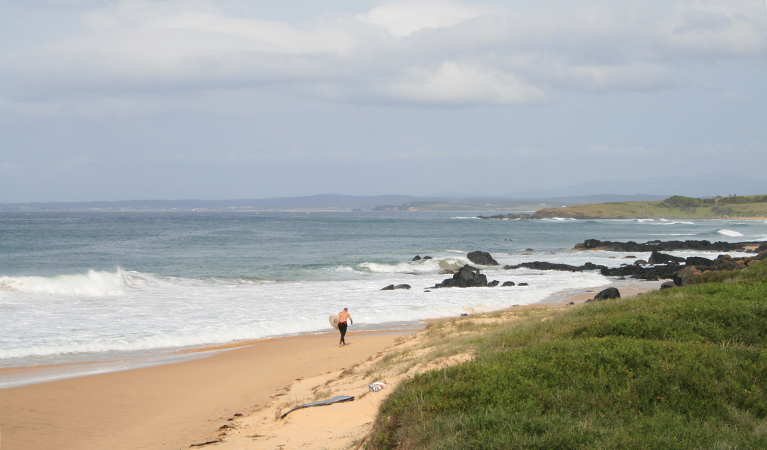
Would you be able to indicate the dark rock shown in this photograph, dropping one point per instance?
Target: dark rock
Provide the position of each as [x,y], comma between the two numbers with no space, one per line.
[508,283]
[703,245]
[493,283]
[541,265]
[606,294]
[698,261]
[392,287]
[653,273]
[482,258]
[683,277]
[417,258]
[662,258]
[571,304]
[523,284]
[467,276]
[667,285]
[724,262]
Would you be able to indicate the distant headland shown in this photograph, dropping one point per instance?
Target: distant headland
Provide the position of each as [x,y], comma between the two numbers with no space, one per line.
[675,207]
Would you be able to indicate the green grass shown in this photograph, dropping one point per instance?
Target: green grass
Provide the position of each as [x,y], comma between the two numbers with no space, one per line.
[753,207]
[676,369]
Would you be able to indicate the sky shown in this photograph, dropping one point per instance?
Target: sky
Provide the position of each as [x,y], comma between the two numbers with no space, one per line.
[230,99]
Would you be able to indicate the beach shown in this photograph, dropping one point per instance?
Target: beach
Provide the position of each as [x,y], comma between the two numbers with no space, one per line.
[230,398]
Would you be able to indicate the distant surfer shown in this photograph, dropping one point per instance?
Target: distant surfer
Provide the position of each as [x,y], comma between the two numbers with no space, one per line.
[343,316]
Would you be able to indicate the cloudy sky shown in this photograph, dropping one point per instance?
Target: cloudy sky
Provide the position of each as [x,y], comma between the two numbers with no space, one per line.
[224,99]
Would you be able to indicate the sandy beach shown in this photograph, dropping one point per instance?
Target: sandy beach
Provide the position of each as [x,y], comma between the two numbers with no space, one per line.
[232,399]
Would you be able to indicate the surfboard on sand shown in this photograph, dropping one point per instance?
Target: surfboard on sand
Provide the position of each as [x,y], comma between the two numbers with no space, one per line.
[334,321]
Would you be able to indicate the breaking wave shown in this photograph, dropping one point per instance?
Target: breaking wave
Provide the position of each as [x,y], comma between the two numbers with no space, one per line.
[93,284]
[730,233]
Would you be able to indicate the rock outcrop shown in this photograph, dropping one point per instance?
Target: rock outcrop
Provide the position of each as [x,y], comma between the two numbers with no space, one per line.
[702,245]
[482,258]
[467,276]
[606,294]
[542,265]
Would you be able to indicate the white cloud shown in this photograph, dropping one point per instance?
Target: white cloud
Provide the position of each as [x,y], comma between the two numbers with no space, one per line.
[433,52]
[405,18]
[462,83]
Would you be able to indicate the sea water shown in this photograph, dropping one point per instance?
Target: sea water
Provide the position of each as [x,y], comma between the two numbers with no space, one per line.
[108,286]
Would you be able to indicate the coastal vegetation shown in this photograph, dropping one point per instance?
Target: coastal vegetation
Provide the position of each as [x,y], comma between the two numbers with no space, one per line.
[677,207]
[681,368]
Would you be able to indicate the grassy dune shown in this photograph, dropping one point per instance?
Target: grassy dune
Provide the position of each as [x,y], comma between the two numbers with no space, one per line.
[683,368]
[673,207]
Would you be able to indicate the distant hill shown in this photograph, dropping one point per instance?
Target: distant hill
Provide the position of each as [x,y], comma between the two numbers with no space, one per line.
[754,206]
[326,202]
[709,185]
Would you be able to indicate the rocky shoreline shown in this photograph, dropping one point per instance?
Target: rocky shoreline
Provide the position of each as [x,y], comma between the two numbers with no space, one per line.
[660,266]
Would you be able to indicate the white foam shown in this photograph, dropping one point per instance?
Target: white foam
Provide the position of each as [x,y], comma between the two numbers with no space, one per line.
[169,313]
[420,266]
[92,284]
[731,233]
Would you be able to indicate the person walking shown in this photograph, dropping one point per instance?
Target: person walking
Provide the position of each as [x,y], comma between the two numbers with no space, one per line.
[343,317]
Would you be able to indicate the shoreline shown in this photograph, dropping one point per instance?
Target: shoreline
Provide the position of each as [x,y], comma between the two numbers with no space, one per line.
[17,376]
[231,389]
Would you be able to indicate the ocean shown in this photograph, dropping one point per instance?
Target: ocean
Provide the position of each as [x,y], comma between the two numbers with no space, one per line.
[91,287]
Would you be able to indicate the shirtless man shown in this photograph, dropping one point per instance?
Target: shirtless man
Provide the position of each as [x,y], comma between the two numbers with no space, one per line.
[343,316]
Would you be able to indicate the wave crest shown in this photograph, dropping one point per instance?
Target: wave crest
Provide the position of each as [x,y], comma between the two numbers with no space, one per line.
[93,284]
[422,266]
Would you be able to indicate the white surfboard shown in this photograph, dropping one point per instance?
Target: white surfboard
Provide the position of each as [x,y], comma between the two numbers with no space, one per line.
[334,321]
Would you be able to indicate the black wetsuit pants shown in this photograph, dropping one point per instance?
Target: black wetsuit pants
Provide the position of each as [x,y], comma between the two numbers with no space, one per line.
[342,329]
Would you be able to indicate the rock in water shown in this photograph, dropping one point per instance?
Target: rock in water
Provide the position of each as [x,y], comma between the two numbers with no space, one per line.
[468,276]
[482,258]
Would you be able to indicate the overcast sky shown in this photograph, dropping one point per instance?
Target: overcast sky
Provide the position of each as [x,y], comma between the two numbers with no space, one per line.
[225,99]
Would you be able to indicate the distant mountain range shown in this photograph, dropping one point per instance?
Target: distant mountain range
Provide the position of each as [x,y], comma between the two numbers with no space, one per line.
[650,189]
[327,202]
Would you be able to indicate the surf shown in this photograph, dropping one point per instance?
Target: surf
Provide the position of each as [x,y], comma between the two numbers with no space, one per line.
[92,284]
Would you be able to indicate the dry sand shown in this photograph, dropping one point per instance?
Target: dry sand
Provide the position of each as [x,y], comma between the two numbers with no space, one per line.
[232,399]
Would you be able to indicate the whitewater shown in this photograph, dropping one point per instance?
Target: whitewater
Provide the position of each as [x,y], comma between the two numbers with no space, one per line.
[90,287]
